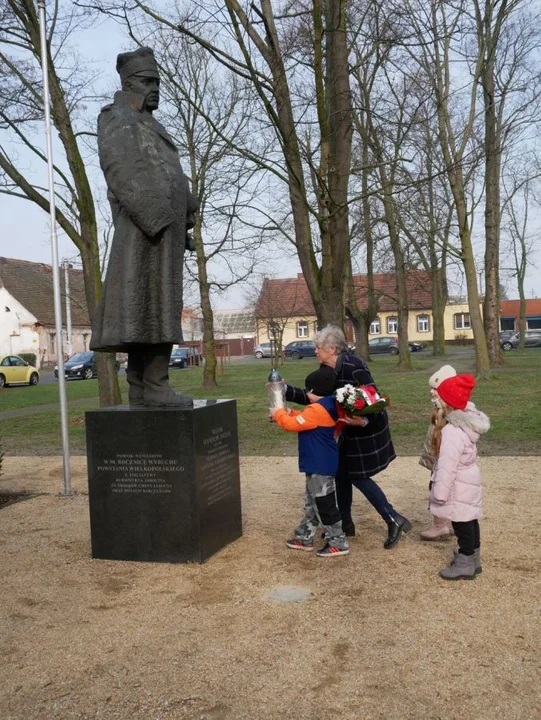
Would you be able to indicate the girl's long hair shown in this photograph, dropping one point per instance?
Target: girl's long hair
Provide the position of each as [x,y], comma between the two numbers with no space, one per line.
[438,422]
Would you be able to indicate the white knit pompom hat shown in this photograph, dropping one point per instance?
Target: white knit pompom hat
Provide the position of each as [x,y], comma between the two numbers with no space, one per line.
[446,371]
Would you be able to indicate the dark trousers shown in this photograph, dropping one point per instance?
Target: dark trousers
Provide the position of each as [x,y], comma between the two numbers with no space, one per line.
[467,535]
[370,489]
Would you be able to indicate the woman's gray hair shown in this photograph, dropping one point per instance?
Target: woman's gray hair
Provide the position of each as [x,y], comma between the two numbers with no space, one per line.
[331,336]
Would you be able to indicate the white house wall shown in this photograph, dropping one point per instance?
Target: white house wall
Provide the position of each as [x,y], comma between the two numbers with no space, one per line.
[16,327]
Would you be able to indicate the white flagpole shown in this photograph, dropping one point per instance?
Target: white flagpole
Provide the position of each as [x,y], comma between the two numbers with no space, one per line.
[54,249]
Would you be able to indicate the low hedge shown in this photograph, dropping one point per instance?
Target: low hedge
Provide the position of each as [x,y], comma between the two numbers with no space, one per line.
[30,358]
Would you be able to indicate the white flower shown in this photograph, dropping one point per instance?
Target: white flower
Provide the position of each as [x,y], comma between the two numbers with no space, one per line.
[343,392]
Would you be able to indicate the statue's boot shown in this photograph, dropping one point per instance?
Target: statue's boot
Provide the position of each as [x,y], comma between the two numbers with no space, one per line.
[157,391]
[134,376]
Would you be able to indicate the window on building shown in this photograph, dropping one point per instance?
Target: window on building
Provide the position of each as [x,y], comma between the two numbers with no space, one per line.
[533,323]
[423,323]
[507,323]
[462,321]
[274,331]
[52,343]
[302,329]
[392,325]
[375,327]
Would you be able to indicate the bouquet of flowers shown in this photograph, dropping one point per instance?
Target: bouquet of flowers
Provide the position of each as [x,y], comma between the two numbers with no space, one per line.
[363,400]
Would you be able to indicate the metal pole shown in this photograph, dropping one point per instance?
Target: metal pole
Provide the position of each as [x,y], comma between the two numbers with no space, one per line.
[54,250]
[69,344]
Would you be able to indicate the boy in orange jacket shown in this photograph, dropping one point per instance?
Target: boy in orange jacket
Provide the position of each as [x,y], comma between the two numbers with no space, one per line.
[318,458]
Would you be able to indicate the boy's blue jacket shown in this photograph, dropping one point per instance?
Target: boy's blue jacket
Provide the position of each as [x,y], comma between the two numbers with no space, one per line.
[318,449]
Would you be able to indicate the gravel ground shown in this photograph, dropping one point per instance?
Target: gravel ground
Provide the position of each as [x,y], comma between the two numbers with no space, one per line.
[380,635]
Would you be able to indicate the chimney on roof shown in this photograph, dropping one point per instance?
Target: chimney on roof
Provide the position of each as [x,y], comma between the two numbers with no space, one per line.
[300,276]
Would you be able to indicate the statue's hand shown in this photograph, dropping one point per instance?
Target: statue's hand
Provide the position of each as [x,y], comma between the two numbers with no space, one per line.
[156,239]
[189,243]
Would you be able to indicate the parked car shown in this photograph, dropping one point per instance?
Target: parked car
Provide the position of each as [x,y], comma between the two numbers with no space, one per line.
[390,345]
[506,334]
[299,349]
[82,366]
[184,357]
[383,345]
[264,350]
[15,371]
[532,338]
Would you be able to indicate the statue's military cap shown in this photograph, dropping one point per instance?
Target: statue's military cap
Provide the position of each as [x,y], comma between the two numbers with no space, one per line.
[138,62]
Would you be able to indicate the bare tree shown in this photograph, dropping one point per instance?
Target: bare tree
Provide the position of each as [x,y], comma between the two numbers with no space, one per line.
[426,212]
[508,37]
[312,153]
[429,30]
[363,211]
[204,103]
[518,191]
[21,116]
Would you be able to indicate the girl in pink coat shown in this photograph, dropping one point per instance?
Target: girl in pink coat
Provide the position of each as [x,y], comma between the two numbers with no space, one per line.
[440,528]
[455,487]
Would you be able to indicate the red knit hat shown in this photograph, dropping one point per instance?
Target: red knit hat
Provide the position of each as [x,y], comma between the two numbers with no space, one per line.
[456,391]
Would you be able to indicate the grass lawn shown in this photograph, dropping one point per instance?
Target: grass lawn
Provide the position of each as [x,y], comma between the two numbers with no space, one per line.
[511,400]
[24,396]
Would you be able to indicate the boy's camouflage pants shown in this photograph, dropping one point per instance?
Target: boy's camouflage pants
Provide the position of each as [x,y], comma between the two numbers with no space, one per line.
[321,508]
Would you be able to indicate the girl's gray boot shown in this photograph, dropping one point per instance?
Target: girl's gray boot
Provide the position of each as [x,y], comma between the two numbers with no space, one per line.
[476,560]
[461,568]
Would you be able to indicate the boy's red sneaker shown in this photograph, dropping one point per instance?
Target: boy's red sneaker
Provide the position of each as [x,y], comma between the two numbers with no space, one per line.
[330,551]
[294,544]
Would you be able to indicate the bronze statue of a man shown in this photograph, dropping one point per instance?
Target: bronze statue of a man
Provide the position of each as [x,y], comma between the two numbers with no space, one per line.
[140,311]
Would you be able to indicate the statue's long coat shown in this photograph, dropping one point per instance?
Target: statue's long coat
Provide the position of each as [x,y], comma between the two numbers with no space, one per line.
[152,208]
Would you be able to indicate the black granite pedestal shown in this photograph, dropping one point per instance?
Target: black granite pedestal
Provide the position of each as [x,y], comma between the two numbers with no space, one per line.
[164,484]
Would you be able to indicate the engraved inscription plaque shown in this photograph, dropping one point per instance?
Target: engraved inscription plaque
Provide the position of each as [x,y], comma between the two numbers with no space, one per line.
[164,484]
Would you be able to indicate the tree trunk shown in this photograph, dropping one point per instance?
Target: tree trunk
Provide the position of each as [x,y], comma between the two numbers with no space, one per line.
[357,317]
[366,316]
[400,272]
[87,240]
[491,305]
[453,154]
[522,316]
[108,386]
[209,346]
[482,364]
[456,181]
[340,124]
[286,127]
[439,301]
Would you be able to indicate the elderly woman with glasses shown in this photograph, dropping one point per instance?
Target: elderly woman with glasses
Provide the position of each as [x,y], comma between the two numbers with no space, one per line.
[367,447]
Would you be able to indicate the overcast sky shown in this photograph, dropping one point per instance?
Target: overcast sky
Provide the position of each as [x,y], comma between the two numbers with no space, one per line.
[25,228]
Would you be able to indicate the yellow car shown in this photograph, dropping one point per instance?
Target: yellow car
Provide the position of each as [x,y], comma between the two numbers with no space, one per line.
[14,371]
